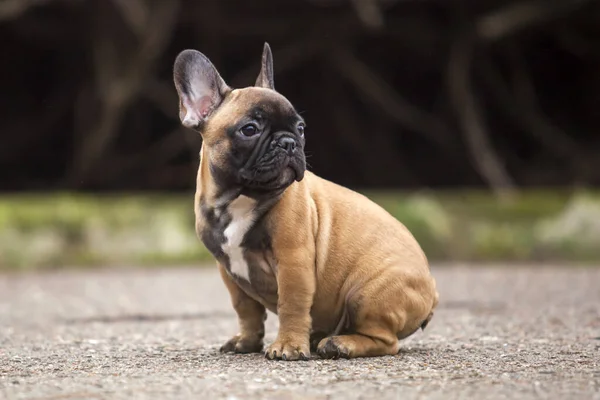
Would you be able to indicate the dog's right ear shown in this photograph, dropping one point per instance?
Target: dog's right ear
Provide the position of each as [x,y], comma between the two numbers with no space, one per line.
[199,86]
[265,77]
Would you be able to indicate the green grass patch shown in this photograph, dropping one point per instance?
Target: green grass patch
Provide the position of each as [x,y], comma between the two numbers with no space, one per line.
[62,229]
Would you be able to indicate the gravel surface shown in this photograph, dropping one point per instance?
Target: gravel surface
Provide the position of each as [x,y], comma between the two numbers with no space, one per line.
[511,332]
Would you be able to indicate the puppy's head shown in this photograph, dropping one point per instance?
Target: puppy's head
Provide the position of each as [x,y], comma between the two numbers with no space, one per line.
[253,136]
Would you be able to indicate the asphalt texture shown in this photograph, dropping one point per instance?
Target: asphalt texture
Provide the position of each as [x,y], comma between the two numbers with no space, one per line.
[499,333]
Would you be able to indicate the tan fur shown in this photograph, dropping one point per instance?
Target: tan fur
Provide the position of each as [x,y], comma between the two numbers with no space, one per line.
[357,260]
[341,267]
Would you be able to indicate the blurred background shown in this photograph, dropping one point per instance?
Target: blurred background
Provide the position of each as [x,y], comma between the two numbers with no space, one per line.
[474,122]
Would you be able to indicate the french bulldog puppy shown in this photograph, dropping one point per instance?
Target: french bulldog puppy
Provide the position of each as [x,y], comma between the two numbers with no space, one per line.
[344,277]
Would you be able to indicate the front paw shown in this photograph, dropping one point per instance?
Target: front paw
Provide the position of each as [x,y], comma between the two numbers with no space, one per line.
[239,344]
[288,350]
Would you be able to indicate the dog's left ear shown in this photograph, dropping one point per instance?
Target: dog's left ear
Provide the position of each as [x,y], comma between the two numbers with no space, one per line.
[265,78]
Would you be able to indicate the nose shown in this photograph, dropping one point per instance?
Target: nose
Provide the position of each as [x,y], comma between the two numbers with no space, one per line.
[288,144]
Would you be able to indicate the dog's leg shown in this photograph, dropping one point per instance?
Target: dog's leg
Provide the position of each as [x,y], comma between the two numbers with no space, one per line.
[373,334]
[251,317]
[380,318]
[296,288]
[357,345]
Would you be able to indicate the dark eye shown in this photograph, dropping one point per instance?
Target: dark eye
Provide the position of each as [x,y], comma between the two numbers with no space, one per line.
[249,130]
[301,129]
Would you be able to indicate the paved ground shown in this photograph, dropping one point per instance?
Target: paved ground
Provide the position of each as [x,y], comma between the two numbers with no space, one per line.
[499,333]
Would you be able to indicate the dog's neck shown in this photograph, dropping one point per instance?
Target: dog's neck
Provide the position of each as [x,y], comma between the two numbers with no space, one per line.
[212,196]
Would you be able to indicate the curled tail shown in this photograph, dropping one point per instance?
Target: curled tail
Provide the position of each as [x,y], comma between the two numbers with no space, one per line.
[436,300]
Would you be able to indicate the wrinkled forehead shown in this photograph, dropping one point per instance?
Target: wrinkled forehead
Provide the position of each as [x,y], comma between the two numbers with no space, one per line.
[253,102]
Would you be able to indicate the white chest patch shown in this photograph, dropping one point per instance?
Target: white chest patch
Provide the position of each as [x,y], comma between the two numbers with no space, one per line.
[242,218]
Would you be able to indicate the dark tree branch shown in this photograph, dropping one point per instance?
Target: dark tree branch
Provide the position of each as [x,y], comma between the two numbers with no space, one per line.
[471,120]
[119,83]
[369,12]
[379,92]
[548,135]
[12,9]
[101,61]
[516,16]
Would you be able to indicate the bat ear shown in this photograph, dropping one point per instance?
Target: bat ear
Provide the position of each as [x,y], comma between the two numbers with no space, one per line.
[199,86]
[265,78]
